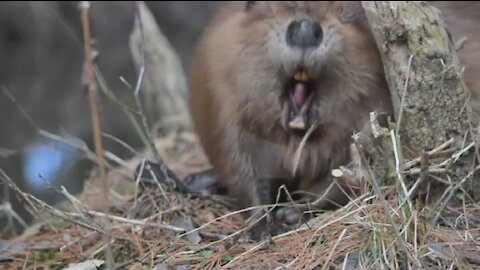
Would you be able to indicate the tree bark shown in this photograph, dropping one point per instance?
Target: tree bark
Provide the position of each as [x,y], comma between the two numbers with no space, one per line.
[422,70]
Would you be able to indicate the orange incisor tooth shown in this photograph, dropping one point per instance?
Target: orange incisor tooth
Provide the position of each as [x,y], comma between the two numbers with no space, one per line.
[301,76]
[297,76]
[305,76]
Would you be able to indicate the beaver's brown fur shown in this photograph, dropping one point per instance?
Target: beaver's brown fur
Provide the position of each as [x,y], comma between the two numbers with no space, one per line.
[242,96]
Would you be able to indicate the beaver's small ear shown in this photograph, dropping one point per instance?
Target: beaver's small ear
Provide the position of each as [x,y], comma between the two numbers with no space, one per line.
[350,11]
[249,4]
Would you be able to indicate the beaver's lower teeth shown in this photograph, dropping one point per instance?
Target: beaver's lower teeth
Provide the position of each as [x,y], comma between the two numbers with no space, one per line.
[298,122]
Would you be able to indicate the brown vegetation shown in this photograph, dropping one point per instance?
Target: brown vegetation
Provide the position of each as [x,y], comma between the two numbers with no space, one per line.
[151,224]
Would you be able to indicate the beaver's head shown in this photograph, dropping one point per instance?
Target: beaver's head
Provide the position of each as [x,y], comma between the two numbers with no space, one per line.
[311,61]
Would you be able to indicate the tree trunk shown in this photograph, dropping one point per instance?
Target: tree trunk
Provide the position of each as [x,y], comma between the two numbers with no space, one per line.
[422,70]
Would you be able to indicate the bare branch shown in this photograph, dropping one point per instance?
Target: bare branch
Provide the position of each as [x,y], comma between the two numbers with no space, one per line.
[92,91]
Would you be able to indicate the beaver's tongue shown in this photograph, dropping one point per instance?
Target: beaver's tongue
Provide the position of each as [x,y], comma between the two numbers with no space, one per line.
[300,98]
[299,95]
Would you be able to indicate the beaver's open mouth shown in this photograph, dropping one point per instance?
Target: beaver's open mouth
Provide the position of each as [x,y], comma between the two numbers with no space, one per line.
[300,90]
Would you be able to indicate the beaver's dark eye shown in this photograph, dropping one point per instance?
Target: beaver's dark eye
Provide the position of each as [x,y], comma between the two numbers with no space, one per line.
[249,4]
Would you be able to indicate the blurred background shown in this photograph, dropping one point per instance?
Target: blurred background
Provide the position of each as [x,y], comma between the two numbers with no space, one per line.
[41,61]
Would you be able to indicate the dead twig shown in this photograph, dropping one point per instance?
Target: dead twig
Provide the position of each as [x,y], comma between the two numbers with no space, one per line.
[72,142]
[430,153]
[142,223]
[6,209]
[120,142]
[93,100]
[37,205]
[448,194]
[92,92]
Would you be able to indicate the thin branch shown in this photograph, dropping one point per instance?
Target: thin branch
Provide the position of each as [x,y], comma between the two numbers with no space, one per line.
[73,142]
[92,91]
[12,98]
[120,142]
[6,208]
[397,154]
[450,191]
[129,221]
[129,112]
[432,152]
[404,94]
[37,205]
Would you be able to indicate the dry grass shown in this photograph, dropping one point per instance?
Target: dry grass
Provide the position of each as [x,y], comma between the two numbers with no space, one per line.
[151,225]
[159,227]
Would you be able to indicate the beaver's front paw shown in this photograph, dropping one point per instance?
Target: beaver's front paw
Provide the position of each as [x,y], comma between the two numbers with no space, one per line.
[290,216]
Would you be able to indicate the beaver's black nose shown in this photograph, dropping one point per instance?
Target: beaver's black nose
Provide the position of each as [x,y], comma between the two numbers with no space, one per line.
[304,33]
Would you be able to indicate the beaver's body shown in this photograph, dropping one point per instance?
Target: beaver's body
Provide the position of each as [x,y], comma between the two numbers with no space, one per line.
[264,73]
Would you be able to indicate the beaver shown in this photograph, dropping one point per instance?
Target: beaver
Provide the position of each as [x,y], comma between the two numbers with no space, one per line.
[266,75]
